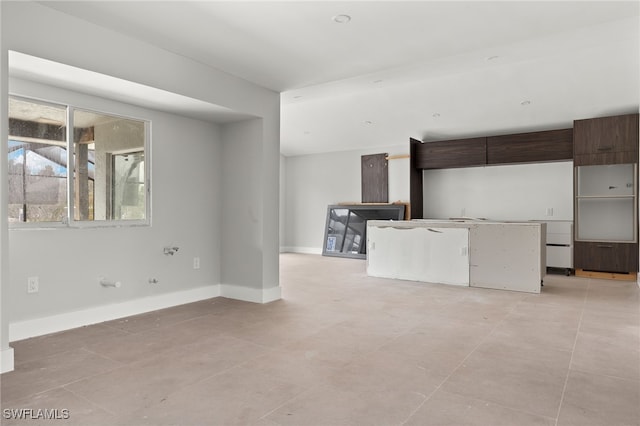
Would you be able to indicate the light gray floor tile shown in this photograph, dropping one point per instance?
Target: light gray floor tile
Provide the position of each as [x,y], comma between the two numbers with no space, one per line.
[448,409]
[596,400]
[342,348]
[523,384]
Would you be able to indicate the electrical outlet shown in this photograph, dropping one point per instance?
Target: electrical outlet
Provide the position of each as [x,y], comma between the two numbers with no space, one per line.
[196,263]
[33,285]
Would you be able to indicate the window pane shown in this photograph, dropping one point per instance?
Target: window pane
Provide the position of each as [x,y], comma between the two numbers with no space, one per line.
[37,158]
[128,186]
[109,167]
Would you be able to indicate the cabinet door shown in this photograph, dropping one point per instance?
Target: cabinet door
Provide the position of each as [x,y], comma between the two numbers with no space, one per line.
[605,205]
[507,256]
[435,255]
[606,257]
[606,140]
[453,153]
[551,145]
[606,219]
[374,176]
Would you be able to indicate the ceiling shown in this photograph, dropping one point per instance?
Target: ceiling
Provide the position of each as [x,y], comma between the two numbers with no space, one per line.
[423,69]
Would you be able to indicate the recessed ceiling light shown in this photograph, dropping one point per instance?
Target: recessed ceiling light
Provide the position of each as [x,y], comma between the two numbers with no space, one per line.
[492,58]
[525,103]
[306,132]
[377,81]
[297,97]
[368,122]
[435,115]
[341,19]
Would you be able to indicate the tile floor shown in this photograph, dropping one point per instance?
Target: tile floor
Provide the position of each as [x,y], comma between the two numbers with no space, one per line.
[342,348]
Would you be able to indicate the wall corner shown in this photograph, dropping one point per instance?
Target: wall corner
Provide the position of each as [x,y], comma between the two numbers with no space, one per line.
[6,360]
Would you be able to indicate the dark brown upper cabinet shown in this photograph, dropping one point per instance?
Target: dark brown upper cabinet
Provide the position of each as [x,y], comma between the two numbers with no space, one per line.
[551,145]
[451,154]
[606,140]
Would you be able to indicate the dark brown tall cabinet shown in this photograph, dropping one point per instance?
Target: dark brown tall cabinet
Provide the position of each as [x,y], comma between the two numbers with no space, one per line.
[606,194]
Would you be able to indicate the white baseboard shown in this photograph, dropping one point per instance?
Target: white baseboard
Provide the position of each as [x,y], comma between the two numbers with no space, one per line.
[6,360]
[39,326]
[301,250]
[20,330]
[249,294]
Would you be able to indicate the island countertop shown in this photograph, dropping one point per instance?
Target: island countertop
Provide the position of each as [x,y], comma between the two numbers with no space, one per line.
[449,223]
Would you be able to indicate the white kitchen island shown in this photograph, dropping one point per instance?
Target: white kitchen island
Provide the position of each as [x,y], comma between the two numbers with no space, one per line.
[476,253]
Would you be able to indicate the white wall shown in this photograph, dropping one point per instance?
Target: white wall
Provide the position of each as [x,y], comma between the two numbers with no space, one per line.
[132,254]
[315,181]
[186,192]
[6,353]
[283,183]
[506,192]
[242,252]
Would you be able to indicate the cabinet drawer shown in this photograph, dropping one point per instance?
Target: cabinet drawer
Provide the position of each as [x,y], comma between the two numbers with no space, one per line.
[559,257]
[559,227]
[606,257]
[559,239]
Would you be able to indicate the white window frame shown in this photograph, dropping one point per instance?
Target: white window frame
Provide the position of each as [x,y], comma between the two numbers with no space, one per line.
[68,221]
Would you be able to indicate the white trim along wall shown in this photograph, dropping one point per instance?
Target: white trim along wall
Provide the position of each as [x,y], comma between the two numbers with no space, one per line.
[59,322]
